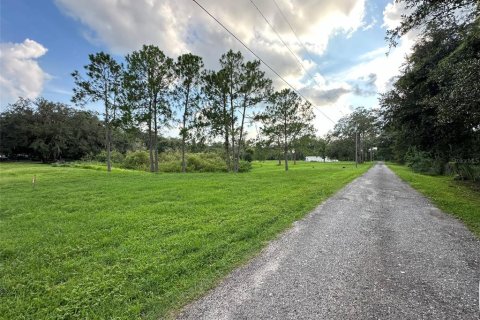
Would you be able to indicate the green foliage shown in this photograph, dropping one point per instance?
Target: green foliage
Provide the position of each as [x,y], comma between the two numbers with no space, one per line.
[454,197]
[172,162]
[148,77]
[137,160]
[465,170]
[128,245]
[286,118]
[244,166]
[434,103]
[361,124]
[421,13]
[116,157]
[419,161]
[205,163]
[49,131]
[104,77]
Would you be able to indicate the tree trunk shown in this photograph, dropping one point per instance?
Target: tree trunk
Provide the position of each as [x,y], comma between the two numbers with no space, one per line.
[232,136]
[295,158]
[150,144]
[108,138]
[184,132]
[155,135]
[184,165]
[232,125]
[237,161]
[227,136]
[285,142]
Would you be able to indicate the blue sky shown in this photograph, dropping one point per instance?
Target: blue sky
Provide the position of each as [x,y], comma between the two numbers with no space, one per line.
[344,37]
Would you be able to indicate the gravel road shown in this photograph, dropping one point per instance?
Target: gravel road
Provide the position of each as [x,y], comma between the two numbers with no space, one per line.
[375,250]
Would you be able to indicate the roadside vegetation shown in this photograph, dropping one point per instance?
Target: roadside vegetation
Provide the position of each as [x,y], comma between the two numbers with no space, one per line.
[129,244]
[459,198]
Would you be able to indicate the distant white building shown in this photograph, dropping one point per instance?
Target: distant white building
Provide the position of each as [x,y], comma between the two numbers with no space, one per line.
[319,159]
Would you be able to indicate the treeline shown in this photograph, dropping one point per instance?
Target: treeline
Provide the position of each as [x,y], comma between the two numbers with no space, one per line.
[431,116]
[51,131]
[150,89]
[151,93]
[430,119]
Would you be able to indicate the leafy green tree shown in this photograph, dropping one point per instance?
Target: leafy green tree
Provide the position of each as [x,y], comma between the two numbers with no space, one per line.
[215,114]
[433,106]
[49,131]
[361,126]
[103,83]
[440,13]
[286,118]
[255,88]
[148,79]
[233,92]
[16,125]
[188,70]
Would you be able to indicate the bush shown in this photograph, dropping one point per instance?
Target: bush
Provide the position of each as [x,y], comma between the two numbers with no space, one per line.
[244,166]
[205,162]
[170,166]
[465,171]
[419,161]
[115,156]
[172,162]
[137,160]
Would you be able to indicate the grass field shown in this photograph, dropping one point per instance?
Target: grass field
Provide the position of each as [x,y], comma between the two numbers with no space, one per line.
[87,244]
[451,196]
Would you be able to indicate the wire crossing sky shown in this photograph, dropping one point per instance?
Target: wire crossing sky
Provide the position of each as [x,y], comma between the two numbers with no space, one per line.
[331,51]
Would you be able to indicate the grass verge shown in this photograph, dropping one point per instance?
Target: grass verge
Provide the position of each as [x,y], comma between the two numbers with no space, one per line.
[454,197]
[90,244]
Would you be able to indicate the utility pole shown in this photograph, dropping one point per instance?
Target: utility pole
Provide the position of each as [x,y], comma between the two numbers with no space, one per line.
[356,148]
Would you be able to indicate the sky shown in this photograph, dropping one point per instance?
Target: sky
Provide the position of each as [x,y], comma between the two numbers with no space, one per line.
[340,44]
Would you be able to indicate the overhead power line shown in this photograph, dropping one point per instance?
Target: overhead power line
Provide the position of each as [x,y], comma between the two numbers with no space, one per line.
[291,28]
[279,37]
[296,57]
[259,58]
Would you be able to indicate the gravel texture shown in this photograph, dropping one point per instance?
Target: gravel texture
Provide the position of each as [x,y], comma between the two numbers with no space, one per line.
[376,250]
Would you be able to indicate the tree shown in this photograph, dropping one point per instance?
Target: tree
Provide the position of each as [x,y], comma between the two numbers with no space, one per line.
[286,118]
[187,94]
[103,83]
[148,79]
[441,13]
[360,126]
[49,131]
[233,91]
[255,88]
[215,114]
[433,105]
[16,125]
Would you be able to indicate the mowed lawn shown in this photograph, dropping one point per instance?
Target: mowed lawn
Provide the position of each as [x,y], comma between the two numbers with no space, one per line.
[88,244]
[454,197]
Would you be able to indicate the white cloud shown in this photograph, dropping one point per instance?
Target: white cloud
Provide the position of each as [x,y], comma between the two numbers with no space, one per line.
[384,67]
[181,26]
[21,75]
[392,14]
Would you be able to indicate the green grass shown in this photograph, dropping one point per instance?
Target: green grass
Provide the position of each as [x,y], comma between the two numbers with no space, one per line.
[87,244]
[453,197]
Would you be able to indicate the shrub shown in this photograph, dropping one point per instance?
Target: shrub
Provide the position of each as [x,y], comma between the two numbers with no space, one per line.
[170,166]
[244,166]
[419,161]
[465,171]
[205,162]
[137,160]
[115,156]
